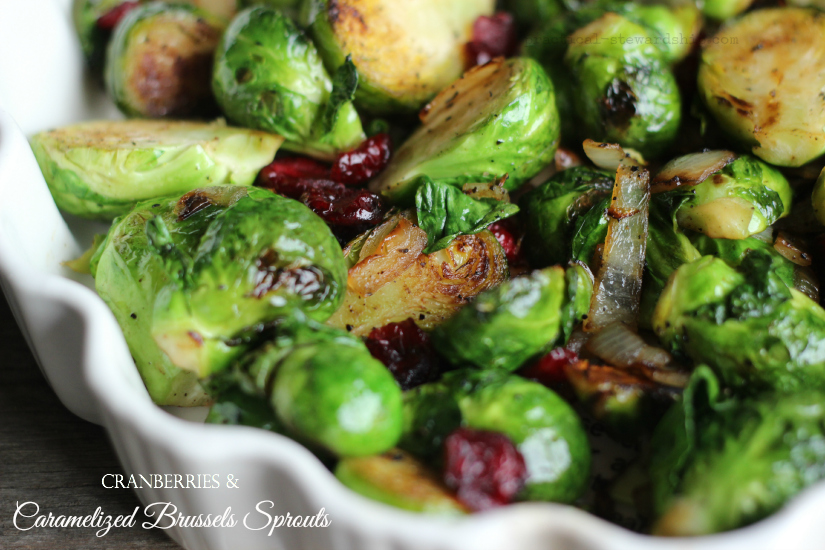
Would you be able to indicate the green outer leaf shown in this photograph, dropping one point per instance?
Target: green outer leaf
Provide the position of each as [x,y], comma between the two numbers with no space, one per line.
[445,212]
[344,84]
[721,461]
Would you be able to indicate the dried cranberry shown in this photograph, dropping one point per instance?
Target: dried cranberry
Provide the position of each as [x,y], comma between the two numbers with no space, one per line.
[109,20]
[484,468]
[406,351]
[508,237]
[345,207]
[492,37]
[364,162]
[286,176]
[549,370]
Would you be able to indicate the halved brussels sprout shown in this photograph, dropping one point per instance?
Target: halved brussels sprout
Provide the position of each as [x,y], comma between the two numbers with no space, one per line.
[391,279]
[550,212]
[193,280]
[503,328]
[545,429]
[93,39]
[762,78]
[745,323]
[721,462]
[421,46]
[398,479]
[498,119]
[159,61]
[740,200]
[100,170]
[268,76]
[623,93]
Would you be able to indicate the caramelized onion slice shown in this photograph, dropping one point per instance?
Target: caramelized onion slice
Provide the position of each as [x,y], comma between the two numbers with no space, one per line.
[619,280]
[608,156]
[690,169]
[791,250]
[620,347]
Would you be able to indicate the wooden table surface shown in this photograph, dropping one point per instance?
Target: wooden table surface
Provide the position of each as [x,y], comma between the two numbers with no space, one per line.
[50,456]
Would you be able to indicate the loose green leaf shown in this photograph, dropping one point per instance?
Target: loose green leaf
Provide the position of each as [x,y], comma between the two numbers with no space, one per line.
[444,213]
[344,84]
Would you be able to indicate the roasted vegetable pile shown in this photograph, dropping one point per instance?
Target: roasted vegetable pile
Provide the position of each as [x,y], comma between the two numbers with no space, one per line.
[606,218]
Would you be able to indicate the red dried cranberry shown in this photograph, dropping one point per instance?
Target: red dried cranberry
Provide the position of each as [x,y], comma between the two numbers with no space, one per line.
[283,175]
[109,20]
[492,37]
[364,162]
[484,468]
[507,235]
[345,207]
[406,351]
[549,370]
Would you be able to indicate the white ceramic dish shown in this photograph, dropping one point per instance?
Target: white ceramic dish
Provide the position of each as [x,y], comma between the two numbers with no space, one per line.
[83,355]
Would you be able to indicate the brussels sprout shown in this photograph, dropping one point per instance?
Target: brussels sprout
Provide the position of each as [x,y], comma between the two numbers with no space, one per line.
[337,396]
[760,76]
[192,280]
[529,13]
[675,27]
[268,76]
[745,323]
[503,328]
[734,251]
[720,462]
[498,119]
[159,61]
[100,170]
[724,9]
[93,39]
[542,425]
[421,45]
[391,280]
[225,9]
[818,197]
[398,479]
[552,210]
[623,93]
[740,200]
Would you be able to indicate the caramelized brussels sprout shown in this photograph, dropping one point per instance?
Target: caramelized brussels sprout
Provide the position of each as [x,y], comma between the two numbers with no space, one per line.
[268,76]
[745,323]
[623,93]
[498,119]
[391,279]
[159,61]
[504,327]
[100,170]
[740,200]
[762,77]
[421,46]
[398,479]
[722,462]
[545,429]
[192,280]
